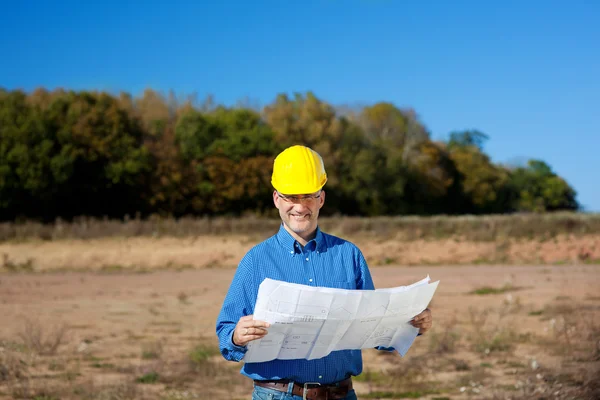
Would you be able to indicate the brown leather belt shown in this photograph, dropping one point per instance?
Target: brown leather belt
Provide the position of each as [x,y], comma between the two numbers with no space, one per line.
[311,391]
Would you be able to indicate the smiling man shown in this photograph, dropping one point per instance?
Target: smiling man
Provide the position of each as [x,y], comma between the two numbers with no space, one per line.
[298,253]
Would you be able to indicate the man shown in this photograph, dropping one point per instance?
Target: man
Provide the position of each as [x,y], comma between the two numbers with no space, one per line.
[299,253]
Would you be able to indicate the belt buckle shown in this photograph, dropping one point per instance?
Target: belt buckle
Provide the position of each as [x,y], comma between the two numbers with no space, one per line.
[305,388]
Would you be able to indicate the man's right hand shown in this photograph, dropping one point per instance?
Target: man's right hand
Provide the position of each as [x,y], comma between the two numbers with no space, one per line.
[248,330]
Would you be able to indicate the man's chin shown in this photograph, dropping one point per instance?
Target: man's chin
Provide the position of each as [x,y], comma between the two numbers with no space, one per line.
[299,228]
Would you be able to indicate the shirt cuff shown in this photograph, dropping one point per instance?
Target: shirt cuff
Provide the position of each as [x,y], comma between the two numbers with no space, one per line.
[237,352]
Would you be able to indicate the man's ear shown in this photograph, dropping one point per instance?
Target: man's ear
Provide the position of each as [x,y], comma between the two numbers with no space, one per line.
[322,199]
[275,198]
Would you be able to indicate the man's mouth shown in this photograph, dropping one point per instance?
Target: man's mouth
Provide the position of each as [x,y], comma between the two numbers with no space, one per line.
[299,217]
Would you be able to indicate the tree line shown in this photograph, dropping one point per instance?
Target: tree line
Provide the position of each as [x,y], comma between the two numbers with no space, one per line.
[83,153]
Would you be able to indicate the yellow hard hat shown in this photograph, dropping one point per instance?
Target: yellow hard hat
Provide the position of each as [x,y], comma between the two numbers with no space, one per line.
[298,170]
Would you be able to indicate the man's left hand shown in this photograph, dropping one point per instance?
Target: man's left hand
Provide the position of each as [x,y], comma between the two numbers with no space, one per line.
[423,321]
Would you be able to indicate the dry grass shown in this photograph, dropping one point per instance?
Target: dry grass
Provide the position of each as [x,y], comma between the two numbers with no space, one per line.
[542,227]
[35,339]
[123,389]
[112,246]
[445,339]
[23,375]
[489,342]
[113,255]
[533,343]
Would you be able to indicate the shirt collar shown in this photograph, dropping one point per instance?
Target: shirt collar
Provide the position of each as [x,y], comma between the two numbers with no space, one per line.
[289,243]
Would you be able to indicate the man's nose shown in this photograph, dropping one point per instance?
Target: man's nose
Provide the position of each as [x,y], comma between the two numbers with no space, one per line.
[301,206]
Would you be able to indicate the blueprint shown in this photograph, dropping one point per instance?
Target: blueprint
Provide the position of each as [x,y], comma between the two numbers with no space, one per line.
[310,322]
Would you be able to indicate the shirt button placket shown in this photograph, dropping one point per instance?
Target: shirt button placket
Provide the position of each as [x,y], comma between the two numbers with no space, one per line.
[311,279]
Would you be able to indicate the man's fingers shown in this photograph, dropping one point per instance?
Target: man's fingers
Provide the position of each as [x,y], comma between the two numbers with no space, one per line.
[421,322]
[254,331]
[248,322]
[423,319]
[424,316]
[258,324]
[250,338]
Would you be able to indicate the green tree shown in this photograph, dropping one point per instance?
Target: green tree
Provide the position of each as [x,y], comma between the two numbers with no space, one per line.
[484,184]
[232,151]
[26,167]
[397,138]
[66,153]
[307,120]
[70,154]
[467,139]
[537,188]
[435,185]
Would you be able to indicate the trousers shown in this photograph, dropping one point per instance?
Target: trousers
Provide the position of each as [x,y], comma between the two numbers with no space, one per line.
[261,393]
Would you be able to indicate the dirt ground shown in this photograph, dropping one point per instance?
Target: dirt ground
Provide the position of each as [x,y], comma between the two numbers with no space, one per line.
[221,251]
[531,332]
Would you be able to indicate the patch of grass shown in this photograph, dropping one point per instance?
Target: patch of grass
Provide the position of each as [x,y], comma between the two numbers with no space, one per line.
[536,313]
[92,358]
[527,337]
[13,346]
[172,394]
[56,366]
[33,337]
[485,290]
[12,366]
[152,350]
[102,365]
[515,364]
[396,395]
[71,375]
[411,376]
[112,268]
[133,336]
[165,323]
[500,341]
[149,378]
[509,388]
[490,337]
[444,342]
[117,313]
[371,377]
[473,378]
[559,298]
[202,352]
[125,390]
[461,365]
[80,326]
[183,298]
[485,365]
[13,266]
[387,261]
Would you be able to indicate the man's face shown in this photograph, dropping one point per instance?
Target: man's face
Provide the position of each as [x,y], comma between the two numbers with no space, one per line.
[300,212]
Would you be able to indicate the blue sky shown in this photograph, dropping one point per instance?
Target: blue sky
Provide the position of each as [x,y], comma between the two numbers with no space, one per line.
[523,72]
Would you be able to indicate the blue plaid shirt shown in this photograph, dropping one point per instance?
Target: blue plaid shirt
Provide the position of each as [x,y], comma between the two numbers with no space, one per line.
[325,261]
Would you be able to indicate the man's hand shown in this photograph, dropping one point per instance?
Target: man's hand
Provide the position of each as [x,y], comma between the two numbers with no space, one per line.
[248,330]
[423,321]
